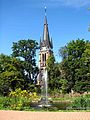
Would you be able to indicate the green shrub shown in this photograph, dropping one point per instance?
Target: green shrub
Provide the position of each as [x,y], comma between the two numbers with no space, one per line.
[4,102]
[18,100]
[22,99]
[87,95]
[81,103]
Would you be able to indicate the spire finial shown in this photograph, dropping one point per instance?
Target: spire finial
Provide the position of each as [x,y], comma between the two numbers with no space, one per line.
[45,10]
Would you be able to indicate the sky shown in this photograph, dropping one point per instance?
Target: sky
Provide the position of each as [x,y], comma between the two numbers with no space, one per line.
[24,19]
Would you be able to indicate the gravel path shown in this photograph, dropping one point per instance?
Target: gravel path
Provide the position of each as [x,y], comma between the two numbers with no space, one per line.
[24,115]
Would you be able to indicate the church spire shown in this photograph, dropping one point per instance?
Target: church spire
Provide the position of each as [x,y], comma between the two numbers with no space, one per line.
[46,31]
[46,46]
[46,38]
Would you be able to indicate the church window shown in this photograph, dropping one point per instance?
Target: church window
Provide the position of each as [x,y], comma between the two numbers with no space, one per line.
[43,57]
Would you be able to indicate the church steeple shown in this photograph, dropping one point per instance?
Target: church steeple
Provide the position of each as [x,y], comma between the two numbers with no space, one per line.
[46,42]
[45,45]
[44,53]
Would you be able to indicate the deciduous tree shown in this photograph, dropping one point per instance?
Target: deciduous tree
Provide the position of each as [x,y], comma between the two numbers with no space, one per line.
[11,76]
[26,50]
[74,55]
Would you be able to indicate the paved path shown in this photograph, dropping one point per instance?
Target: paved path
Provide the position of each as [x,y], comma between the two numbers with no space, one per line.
[22,115]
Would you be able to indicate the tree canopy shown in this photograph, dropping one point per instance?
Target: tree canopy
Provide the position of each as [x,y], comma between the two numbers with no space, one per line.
[26,50]
[76,65]
[19,70]
[10,74]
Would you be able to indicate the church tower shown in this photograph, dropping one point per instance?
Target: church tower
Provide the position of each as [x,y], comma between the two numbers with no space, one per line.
[46,46]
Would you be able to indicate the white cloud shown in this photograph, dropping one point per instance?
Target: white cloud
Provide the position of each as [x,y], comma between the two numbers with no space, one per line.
[72,3]
[57,3]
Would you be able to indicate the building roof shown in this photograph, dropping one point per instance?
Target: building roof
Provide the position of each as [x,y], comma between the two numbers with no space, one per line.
[46,41]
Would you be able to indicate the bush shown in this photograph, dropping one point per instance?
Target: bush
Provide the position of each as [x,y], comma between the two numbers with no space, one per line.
[18,100]
[4,102]
[81,103]
[22,99]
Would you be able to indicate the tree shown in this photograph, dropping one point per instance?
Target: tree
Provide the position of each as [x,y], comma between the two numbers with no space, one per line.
[10,74]
[26,50]
[83,81]
[73,63]
[53,73]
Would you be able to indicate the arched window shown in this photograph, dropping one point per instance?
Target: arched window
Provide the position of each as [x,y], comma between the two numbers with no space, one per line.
[45,56]
[42,57]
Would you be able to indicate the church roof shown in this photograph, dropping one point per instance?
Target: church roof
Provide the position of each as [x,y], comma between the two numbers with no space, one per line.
[46,42]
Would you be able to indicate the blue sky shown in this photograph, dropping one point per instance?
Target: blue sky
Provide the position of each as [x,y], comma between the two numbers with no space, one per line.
[23,19]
